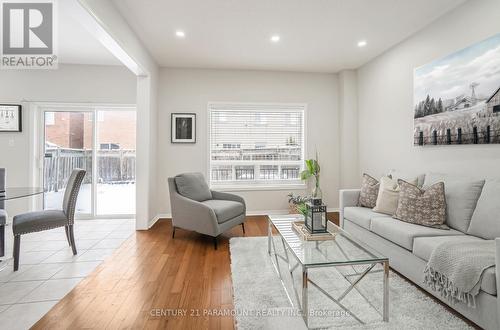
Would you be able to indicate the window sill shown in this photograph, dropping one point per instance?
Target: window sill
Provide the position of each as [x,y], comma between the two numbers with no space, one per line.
[269,187]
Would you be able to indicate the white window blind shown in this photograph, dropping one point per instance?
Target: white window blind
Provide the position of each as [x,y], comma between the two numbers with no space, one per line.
[255,145]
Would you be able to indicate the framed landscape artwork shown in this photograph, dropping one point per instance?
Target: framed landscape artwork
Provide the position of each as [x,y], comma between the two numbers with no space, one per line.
[10,118]
[183,128]
[457,98]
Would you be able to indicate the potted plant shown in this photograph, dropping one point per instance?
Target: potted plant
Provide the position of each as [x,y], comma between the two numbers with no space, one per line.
[297,203]
[312,170]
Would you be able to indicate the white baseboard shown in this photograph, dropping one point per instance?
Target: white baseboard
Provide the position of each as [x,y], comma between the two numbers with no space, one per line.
[158,217]
[249,213]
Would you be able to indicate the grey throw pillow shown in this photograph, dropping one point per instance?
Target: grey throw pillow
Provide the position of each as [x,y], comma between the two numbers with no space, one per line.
[193,186]
[422,207]
[369,191]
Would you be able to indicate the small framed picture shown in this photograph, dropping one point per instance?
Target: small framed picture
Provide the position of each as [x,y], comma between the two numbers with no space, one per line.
[10,118]
[183,128]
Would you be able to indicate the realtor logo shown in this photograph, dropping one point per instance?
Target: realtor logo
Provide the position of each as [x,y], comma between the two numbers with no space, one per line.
[28,35]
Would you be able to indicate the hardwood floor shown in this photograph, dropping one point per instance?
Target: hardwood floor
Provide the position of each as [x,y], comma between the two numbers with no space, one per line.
[152,275]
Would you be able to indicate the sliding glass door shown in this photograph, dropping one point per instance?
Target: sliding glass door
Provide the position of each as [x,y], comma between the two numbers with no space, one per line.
[115,162]
[99,140]
[68,145]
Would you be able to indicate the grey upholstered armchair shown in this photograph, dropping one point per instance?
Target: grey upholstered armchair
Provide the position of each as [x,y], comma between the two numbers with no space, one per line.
[49,219]
[195,207]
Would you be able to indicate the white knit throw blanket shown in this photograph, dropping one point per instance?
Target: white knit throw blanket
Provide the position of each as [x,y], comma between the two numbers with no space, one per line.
[455,269]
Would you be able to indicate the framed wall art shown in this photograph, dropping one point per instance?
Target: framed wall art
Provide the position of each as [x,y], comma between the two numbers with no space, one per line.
[10,118]
[457,98]
[183,128]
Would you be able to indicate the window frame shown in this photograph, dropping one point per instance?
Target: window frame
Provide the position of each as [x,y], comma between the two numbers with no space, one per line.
[279,184]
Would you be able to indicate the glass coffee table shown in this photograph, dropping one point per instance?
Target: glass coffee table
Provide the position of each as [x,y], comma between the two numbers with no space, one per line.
[343,250]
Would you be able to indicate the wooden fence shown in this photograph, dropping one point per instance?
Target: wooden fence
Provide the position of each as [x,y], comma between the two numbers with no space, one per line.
[486,136]
[113,166]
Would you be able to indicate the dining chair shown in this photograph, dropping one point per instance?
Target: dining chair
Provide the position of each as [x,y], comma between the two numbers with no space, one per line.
[3,213]
[49,219]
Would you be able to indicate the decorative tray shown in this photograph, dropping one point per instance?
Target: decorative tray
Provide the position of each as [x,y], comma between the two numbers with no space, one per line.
[305,235]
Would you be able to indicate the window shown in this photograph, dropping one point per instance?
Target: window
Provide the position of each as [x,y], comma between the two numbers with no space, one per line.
[50,118]
[496,108]
[109,146]
[256,145]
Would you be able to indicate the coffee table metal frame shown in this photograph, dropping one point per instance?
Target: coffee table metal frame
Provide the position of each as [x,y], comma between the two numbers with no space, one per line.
[306,280]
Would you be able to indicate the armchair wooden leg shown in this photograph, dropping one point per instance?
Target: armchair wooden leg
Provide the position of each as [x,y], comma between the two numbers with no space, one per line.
[17,246]
[66,229]
[72,239]
[243,227]
[173,233]
[215,243]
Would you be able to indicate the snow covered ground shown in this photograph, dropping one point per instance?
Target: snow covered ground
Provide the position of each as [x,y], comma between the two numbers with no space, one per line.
[111,199]
[450,116]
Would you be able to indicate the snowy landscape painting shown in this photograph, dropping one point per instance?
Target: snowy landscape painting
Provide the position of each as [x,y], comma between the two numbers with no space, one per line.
[457,98]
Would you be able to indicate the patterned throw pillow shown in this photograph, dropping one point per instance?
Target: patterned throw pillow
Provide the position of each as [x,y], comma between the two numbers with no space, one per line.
[369,191]
[422,207]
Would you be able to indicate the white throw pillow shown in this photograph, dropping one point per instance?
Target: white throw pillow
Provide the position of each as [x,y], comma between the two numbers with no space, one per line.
[388,195]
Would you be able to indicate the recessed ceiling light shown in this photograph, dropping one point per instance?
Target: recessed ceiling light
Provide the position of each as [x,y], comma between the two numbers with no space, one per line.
[362,43]
[180,34]
[275,38]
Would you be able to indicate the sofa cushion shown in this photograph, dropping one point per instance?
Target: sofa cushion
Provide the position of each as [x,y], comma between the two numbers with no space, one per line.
[193,186]
[403,233]
[423,247]
[362,216]
[225,210]
[461,198]
[485,221]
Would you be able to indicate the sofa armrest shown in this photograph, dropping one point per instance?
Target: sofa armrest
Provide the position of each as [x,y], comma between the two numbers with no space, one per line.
[497,273]
[228,197]
[347,197]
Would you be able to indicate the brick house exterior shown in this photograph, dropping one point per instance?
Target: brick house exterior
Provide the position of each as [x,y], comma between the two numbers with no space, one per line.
[74,129]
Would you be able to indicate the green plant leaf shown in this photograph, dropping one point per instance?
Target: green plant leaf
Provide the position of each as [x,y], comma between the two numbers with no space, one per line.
[310,165]
[304,175]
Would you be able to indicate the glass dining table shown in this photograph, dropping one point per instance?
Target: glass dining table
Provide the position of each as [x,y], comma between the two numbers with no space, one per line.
[19,192]
[11,193]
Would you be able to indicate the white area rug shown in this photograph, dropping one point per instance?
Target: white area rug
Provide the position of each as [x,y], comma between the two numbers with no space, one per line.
[261,302]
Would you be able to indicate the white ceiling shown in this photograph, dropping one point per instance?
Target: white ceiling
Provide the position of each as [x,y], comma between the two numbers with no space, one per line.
[76,45]
[316,35]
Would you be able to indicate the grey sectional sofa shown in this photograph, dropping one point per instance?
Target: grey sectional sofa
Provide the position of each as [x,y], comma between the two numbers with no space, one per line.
[473,214]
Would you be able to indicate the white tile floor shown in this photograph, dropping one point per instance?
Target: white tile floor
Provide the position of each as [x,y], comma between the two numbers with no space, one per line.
[48,270]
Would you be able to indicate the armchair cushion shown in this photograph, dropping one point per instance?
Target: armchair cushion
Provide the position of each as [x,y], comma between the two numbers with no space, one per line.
[193,186]
[225,210]
[38,221]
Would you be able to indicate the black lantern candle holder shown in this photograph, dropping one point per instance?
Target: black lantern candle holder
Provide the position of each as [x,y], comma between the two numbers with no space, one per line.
[316,219]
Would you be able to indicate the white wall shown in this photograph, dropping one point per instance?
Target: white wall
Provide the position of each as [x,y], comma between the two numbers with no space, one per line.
[348,110]
[190,90]
[385,98]
[70,83]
